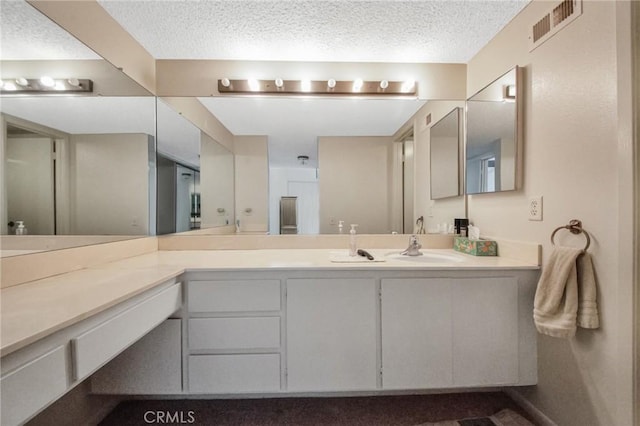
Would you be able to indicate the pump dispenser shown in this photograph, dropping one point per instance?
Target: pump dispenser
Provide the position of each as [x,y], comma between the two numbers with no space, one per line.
[353,247]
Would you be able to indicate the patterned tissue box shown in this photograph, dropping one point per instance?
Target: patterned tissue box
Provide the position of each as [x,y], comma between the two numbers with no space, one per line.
[475,247]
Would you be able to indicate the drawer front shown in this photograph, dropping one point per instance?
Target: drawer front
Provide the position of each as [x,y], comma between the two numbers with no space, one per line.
[234,296]
[97,346]
[234,373]
[234,333]
[33,386]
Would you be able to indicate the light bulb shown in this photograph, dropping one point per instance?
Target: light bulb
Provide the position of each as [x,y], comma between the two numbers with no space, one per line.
[254,86]
[408,85]
[279,83]
[305,85]
[357,84]
[225,82]
[22,82]
[8,85]
[73,82]
[384,84]
[47,81]
[331,83]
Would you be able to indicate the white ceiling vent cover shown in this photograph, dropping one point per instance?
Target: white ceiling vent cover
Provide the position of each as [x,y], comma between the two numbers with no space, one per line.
[556,19]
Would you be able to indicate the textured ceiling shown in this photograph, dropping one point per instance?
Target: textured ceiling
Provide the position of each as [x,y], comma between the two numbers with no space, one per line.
[26,34]
[376,31]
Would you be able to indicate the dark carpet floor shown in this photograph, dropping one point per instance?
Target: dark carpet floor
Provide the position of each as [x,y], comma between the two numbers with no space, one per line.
[350,411]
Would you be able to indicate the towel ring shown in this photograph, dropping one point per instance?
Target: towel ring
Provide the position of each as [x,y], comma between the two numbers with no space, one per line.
[575,227]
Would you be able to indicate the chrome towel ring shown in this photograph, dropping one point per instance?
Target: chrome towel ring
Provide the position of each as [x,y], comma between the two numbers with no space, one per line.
[575,227]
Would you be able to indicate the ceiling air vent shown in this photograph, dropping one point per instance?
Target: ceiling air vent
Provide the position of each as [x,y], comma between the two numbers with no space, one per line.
[553,21]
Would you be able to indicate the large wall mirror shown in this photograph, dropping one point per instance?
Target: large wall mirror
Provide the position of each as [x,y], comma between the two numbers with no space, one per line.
[493,147]
[349,166]
[77,168]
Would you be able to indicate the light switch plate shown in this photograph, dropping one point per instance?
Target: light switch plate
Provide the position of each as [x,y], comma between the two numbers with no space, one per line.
[535,208]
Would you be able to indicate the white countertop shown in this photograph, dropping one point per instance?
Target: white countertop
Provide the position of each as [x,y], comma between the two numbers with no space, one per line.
[33,310]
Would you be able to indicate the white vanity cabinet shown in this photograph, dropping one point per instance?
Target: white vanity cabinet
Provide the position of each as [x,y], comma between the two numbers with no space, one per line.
[457,332]
[331,334]
[234,336]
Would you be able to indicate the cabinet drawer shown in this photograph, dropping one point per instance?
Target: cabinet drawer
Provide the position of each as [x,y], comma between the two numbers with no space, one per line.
[234,373]
[234,296]
[33,386]
[97,346]
[234,333]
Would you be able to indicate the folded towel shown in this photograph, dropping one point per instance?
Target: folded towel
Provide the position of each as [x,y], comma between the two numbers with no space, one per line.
[566,294]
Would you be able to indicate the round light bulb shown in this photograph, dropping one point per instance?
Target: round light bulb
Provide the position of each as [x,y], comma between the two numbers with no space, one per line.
[22,82]
[357,84]
[9,85]
[254,85]
[279,83]
[408,85]
[384,84]
[47,81]
[331,83]
[74,82]
[225,82]
[305,85]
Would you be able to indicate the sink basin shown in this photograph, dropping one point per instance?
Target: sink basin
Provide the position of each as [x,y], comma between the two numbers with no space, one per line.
[427,257]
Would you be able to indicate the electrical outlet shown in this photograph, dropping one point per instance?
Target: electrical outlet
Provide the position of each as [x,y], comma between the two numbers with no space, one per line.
[535,208]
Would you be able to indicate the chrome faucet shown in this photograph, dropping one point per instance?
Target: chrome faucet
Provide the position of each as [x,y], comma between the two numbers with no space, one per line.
[414,247]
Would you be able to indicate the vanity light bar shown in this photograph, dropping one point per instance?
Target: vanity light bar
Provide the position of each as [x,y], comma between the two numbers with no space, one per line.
[317,87]
[15,86]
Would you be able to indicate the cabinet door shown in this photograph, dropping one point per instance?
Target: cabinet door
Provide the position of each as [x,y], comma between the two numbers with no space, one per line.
[416,333]
[485,331]
[331,334]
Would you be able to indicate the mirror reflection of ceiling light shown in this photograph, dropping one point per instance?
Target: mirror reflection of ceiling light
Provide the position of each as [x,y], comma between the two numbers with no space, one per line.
[329,87]
[44,85]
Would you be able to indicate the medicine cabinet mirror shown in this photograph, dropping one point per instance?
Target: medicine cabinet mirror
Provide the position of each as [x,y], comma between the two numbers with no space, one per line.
[494,141]
[445,138]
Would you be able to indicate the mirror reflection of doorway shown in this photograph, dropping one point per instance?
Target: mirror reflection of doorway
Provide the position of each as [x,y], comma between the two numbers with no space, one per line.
[30,181]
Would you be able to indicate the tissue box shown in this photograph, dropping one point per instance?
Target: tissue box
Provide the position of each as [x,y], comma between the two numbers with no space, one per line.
[475,247]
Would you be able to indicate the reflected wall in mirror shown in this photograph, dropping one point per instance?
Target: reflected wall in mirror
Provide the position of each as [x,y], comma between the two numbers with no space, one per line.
[79,165]
[351,174]
[444,154]
[494,140]
[195,172]
[75,167]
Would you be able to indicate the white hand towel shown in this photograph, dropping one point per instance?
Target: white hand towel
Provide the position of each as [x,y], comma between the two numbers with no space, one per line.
[566,294]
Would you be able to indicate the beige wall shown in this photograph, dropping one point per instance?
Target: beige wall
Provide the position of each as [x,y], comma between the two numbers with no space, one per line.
[252,183]
[575,157]
[353,183]
[109,175]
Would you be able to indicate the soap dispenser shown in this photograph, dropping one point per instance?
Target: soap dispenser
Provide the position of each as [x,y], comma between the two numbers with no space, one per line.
[20,228]
[353,247]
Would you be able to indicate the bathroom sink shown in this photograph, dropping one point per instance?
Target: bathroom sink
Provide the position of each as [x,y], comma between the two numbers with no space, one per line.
[426,257]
